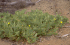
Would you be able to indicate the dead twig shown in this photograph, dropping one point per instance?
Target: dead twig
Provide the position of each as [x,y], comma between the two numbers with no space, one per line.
[63,36]
[66,27]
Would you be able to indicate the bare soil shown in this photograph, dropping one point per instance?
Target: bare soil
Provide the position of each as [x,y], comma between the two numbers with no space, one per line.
[62,7]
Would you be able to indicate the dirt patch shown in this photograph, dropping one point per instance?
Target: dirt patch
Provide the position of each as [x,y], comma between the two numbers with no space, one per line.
[62,7]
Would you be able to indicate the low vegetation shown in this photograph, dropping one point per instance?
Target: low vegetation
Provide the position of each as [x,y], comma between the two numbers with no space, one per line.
[29,26]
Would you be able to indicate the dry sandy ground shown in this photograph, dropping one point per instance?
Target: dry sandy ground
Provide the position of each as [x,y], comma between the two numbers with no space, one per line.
[62,7]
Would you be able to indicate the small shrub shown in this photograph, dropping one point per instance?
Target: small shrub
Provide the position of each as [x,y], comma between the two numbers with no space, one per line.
[29,26]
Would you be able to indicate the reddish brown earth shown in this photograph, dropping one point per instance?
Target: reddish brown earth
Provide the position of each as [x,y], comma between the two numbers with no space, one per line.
[62,7]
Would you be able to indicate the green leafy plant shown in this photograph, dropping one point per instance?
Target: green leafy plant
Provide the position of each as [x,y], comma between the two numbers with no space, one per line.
[29,26]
